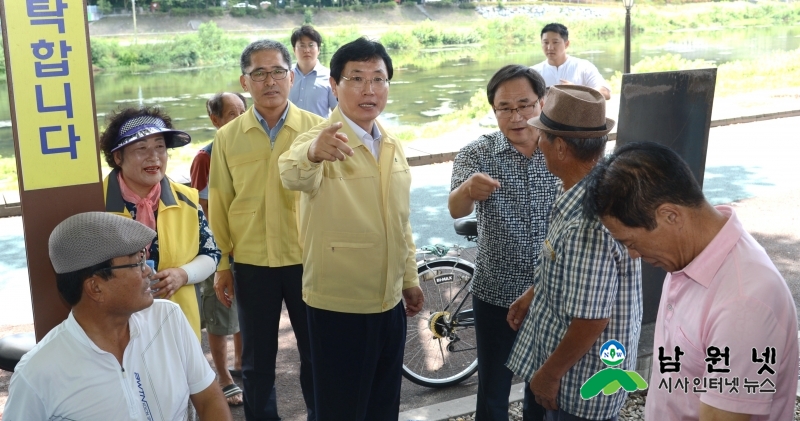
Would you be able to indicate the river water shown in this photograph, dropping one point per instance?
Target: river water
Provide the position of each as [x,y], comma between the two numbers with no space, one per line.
[444,80]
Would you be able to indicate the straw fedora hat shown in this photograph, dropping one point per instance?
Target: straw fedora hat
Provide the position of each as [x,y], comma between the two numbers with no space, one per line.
[573,111]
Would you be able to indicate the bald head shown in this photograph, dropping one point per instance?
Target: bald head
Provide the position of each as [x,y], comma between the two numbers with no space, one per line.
[223,107]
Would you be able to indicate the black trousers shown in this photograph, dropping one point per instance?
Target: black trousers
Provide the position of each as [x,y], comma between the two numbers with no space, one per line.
[357,363]
[494,340]
[260,292]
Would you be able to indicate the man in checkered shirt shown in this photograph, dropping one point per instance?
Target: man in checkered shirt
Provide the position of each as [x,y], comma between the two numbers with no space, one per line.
[587,289]
[503,177]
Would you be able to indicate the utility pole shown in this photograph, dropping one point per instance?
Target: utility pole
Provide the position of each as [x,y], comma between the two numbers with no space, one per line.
[627,60]
[133,8]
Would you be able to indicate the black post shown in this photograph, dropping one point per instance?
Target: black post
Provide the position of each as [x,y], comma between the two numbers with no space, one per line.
[673,109]
[627,65]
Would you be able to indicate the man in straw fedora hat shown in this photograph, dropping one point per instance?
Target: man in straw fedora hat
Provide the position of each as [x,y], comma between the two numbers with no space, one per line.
[587,289]
[120,355]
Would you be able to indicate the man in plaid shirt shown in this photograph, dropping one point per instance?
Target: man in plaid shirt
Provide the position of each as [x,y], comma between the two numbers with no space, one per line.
[587,289]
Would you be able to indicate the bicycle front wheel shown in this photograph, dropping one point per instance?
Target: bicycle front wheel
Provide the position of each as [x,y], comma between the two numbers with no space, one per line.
[440,340]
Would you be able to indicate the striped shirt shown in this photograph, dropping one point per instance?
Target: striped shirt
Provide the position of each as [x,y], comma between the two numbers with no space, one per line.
[584,273]
[512,221]
[312,92]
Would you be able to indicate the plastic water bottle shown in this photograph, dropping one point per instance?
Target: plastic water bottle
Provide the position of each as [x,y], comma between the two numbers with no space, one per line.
[152,265]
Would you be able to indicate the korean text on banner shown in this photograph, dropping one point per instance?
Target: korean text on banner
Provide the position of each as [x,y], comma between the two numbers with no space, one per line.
[52,97]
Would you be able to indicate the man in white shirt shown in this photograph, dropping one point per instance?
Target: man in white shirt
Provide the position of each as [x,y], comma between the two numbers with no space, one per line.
[563,69]
[120,355]
[311,90]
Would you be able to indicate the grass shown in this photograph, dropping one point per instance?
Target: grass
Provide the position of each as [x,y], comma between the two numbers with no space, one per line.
[776,71]
[781,70]
[210,45]
[8,174]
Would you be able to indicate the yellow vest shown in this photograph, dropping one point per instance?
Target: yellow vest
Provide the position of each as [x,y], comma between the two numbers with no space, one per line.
[178,234]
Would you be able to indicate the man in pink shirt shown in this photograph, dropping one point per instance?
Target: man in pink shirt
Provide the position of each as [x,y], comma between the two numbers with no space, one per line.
[726,334]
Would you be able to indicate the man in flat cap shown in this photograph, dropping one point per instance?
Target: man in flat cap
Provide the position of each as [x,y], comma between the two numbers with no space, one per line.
[120,355]
[587,289]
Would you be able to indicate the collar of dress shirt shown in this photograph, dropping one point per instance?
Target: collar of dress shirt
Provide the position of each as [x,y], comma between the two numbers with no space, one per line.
[704,267]
[318,69]
[361,133]
[264,122]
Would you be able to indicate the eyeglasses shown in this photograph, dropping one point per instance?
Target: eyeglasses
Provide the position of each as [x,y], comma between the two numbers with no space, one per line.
[260,75]
[309,46]
[142,263]
[523,111]
[360,82]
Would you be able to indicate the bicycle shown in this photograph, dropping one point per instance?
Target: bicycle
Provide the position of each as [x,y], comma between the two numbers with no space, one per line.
[440,348]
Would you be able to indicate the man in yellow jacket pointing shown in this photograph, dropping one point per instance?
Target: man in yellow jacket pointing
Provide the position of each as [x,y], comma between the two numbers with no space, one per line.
[358,252]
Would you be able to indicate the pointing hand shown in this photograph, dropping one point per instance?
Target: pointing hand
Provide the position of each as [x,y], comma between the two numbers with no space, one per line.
[330,145]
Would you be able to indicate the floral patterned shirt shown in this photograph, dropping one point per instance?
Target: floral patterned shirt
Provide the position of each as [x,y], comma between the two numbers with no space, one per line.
[207,244]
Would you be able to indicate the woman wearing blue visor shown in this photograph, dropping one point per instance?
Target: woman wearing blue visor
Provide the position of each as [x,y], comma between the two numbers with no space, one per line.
[135,145]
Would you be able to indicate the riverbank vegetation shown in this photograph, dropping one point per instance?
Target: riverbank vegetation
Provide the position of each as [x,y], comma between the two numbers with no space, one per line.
[780,69]
[211,46]
[772,71]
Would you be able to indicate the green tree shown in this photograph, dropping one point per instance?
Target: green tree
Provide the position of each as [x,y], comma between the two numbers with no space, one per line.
[2,63]
[105,6]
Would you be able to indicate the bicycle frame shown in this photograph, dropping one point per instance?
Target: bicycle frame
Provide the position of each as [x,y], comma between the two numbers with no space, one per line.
[465,318]
[462,318]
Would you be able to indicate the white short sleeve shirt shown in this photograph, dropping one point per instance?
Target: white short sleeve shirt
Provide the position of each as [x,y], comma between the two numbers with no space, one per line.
[575,70]
[67,377]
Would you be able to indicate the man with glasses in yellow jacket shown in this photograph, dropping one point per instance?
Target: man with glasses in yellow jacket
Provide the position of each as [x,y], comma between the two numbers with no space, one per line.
[253,218]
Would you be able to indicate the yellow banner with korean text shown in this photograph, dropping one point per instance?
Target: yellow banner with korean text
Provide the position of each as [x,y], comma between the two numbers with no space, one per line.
[50,92]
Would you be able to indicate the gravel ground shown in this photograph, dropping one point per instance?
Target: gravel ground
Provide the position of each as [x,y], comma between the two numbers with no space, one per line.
[632,411]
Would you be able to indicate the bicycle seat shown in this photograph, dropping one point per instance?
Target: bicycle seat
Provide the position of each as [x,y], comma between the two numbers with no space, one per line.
[466,226]
[13,347]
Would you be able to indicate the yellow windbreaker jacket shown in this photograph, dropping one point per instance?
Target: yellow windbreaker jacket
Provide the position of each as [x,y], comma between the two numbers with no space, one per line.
[250,213]
[358,252]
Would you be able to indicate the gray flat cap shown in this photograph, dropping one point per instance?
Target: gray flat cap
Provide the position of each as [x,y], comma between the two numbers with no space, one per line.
[86,239]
